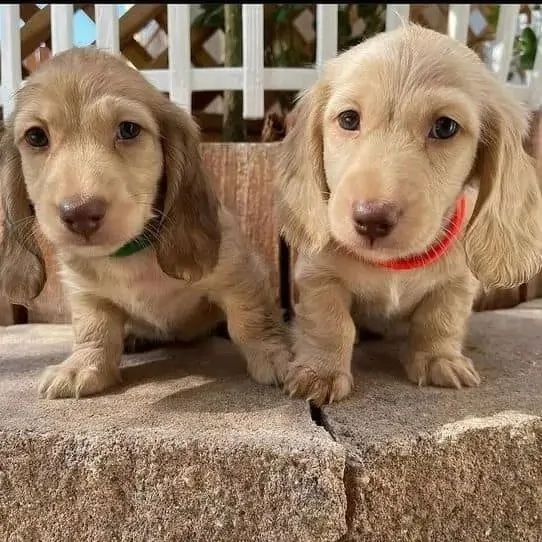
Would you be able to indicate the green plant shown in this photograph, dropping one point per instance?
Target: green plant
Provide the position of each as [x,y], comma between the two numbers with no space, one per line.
[373,16]
[283,45]
[492,15]
[526,46]
[281,48]
[212,16]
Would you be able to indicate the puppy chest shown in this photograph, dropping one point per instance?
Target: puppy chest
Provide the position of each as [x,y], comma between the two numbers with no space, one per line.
[149,296]
[389,297]
[146,293]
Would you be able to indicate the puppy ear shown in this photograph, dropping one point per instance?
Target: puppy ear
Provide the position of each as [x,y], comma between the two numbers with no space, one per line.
[22,269]
[504,238]
[190,236]
[300,178]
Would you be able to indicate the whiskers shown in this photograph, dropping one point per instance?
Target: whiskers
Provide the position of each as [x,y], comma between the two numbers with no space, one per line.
[162,228]
[143,198]
[149,235]
[159,227]
[22,230]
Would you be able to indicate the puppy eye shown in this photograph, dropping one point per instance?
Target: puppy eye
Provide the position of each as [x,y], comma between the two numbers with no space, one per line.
[36,137]
[444,128]
[128,130]
[349,120]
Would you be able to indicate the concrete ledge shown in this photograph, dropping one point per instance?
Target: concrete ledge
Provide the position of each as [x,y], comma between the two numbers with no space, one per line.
[446,465]
[188,450]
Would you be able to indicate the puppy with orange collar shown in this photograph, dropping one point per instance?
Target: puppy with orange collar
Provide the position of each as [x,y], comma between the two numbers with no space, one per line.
[404,186]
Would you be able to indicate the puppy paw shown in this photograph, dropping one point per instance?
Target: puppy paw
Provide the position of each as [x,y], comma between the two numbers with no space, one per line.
[72,378]
[446,371]
[318,386]
[269,366]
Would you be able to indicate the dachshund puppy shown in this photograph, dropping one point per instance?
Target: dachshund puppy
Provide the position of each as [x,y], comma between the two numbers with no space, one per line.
[110,170]
[405,188]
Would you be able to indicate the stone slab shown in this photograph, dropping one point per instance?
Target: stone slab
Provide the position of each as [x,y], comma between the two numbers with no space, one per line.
[428,464]
[189,449]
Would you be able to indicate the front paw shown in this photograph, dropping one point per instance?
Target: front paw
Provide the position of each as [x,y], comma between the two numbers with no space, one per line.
[447,371]
[316,384]
[77,376]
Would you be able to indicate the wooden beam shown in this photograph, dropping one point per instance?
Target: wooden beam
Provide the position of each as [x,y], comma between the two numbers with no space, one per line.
[37,29]
[133,51]
[137,54]
[27,11]
[135,19]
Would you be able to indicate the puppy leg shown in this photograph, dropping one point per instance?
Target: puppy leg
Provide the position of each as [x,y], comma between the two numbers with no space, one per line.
[437,331]
[324,335]
[255,325]
[201,323]
[94,363]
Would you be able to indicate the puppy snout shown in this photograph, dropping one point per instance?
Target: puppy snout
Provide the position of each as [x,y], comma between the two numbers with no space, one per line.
[374,219]
[83,216]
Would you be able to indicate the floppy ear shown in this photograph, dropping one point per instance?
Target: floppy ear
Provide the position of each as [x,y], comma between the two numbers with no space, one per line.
[504,239]
[22,269]
[190,236]
[300,178]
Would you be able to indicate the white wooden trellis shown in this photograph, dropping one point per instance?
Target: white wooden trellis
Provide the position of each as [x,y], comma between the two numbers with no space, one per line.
[458,21]
[61,27]
[181,79]
[505,37]
[396,15]
[107,27]
[327,30]
[10,55]
[253,84]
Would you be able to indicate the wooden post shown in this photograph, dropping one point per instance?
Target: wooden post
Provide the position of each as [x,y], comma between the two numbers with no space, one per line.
[233,124]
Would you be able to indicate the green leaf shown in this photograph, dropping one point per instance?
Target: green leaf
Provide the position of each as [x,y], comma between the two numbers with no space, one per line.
[492,15]
[211,17]
[282,15]
[527,45]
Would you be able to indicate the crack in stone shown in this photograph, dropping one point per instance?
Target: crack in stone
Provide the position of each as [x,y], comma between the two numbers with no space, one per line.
[317,416]
[320,419]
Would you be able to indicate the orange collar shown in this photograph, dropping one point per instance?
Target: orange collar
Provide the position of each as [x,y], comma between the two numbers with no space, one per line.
[437,249]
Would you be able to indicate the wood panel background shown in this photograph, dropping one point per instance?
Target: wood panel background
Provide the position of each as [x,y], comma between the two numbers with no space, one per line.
[244,174]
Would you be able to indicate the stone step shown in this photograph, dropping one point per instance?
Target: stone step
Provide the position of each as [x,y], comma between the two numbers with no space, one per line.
[428,464]
[189,449]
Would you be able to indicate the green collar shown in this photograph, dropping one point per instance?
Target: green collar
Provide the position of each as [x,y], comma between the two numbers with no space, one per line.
[133,246]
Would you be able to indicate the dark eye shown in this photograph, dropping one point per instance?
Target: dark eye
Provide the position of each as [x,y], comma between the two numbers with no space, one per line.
[128,130]
[36,137]
[349,120]
[444,128]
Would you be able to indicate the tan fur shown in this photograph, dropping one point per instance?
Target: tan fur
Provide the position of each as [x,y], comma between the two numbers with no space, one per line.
[400,82]
[199,269]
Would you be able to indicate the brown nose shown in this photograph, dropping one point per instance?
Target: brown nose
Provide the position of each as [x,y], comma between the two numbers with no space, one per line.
[82,216]
[374,219]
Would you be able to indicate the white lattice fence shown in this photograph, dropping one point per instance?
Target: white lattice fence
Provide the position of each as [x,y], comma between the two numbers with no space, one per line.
[181,79]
